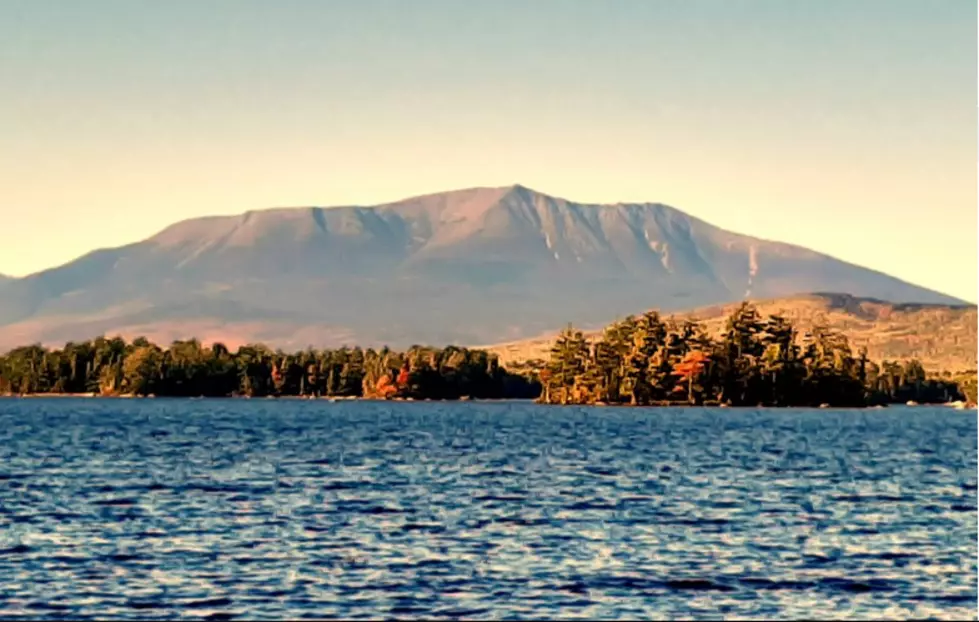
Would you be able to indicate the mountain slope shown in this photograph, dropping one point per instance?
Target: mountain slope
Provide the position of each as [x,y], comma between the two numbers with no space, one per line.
[942,337]
[469,266]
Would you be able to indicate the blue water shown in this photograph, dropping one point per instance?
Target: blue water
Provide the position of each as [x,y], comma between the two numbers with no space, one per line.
[273,509]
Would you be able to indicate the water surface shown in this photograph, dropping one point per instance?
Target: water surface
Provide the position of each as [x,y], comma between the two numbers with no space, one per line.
[273,509]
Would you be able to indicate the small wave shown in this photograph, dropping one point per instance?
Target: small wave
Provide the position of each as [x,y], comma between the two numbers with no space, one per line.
[48,606]
[772,584]
[891,555]
[965,597]
[600,470]
[125,557]
[220,601]
[697,584]
[17,549]
[522,521]
[577,587]
[69,560]
[848,585]
[591,504]
[218,488]
[121,502]
[343,485]
[623,582]
[499,498]
[501,473]
[697,522]
[142,605]
[429,527]
[821,560]
[459,614]
[873,498]
[381,509]
[408,610]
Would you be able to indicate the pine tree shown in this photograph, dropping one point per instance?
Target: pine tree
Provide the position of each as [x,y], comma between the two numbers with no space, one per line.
[569,356]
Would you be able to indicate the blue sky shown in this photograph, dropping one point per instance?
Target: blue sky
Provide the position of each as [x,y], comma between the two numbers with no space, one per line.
[845,126]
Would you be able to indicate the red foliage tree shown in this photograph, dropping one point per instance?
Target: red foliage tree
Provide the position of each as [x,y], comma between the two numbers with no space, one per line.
[689,369]
[385,388]
[403,377]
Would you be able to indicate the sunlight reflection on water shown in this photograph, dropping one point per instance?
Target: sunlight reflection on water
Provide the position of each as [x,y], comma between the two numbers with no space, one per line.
[252,509]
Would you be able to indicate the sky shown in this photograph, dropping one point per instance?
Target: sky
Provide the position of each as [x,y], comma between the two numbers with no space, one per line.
[845,126]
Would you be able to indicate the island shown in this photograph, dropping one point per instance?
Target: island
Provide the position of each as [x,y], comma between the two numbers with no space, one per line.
[643,360]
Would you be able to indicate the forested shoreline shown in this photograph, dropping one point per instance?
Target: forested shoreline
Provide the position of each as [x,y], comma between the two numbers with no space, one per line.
[113,367]
[756,361]
[642,361]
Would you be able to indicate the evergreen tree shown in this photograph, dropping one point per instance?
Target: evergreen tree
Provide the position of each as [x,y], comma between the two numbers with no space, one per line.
[568,359]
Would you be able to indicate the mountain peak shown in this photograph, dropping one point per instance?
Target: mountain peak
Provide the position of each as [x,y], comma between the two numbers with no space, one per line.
[475,265]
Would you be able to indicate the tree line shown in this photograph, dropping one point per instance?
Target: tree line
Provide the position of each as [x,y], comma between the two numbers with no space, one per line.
[189,369]
[647,360]
[641,360]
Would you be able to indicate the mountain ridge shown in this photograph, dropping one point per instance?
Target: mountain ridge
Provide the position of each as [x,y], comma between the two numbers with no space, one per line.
[465,266]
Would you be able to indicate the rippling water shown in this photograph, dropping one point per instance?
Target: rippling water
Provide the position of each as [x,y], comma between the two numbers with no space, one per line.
[272,509]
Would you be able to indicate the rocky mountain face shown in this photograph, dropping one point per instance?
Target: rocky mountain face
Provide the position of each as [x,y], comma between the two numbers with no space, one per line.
[471,266]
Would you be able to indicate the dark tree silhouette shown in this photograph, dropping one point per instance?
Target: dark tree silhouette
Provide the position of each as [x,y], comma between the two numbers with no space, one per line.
[187,368]
[755,361]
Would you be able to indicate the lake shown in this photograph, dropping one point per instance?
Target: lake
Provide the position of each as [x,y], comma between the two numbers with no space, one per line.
[275,508]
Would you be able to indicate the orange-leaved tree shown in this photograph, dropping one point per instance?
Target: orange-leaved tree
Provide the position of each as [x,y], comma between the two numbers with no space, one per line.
[689,370]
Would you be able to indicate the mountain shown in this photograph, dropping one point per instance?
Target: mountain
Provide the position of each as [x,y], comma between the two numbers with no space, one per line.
[469,266]
[942,337]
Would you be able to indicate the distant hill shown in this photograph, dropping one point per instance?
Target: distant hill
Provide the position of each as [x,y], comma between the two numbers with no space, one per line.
[471,266]
[942,337]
